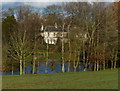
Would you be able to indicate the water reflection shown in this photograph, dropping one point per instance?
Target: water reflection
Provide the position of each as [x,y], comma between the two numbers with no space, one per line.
[56,69]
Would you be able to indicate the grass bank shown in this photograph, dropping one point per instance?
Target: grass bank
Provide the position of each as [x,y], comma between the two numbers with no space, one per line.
[106,79]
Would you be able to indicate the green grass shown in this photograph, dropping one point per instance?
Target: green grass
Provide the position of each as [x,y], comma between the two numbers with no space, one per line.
[107,79]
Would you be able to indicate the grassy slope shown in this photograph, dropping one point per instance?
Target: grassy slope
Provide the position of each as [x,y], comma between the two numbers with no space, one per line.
[107,79]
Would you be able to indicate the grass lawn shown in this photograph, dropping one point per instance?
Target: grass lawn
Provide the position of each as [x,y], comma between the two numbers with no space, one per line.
[107,79]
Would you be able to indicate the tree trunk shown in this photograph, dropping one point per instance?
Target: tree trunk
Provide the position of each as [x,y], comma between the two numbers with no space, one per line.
[34,57]
[46,70]
[21,70]
[68,66]
[33,69]
[63,64]
[86,64]
[76,61]
[38,70]
[12,69]
[112,58]
[85,68]
[104,65]
[79,66]
[75,66]
[63,68]
[100,66]
[69,58]
[111,64]
[115,60]
[95,66]
[114,64]
[69,48]
[84,57]
[24,67]
[75,69]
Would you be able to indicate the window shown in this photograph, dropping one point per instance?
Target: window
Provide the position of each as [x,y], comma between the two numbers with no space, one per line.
[54,34]
[48,34]
[51,41]
[47,40]
[54,41]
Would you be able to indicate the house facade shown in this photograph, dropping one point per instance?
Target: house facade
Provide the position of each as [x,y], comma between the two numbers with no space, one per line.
[52,33]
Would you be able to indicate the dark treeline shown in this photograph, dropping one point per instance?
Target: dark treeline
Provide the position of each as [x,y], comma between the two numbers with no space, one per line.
[92,36]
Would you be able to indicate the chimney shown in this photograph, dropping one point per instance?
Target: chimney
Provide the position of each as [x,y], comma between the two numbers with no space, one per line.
[55,25]
[42,28]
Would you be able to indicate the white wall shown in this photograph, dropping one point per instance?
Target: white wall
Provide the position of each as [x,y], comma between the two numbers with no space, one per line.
[51,37]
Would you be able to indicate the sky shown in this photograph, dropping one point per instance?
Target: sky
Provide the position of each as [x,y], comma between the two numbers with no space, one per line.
[41,3]
[34,4]
[56,0]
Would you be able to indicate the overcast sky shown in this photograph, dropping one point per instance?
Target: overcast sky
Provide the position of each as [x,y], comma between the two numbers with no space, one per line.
[56,0]
[41,3]
[35,4]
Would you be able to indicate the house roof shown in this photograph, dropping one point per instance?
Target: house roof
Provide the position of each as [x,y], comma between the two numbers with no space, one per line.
[54,29]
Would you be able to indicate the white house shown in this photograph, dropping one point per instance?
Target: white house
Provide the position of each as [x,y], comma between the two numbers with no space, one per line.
[52,33]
